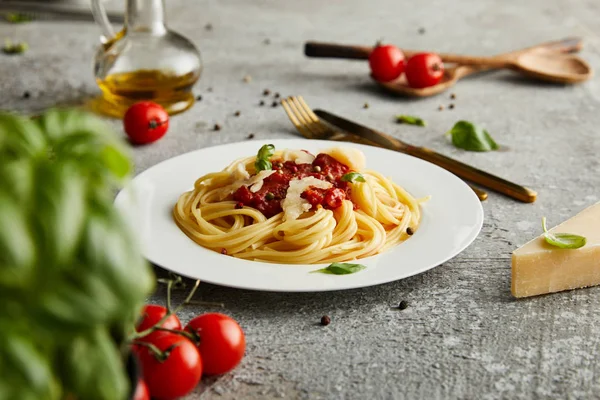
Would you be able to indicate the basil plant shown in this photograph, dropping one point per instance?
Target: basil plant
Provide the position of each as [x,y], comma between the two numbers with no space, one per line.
[72,279]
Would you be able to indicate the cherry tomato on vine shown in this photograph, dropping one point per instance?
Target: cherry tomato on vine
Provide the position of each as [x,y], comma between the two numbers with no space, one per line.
[222,342]
[141,391]
[176,373]
[145,122]
[386,62]
[151,314]
[424,70]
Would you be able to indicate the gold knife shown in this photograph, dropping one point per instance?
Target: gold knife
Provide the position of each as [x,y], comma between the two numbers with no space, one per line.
[458,168]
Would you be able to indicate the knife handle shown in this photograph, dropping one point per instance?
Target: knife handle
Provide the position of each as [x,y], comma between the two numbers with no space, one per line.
[473,174]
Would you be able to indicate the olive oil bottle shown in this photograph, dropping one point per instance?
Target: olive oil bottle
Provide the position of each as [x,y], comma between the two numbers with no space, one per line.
[144,61]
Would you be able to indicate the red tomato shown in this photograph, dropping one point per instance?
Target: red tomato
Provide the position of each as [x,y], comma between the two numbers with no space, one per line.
[141,391]
[175,376]
[145,122]
[424,70]
[222,342]
[151,314]
[386,62]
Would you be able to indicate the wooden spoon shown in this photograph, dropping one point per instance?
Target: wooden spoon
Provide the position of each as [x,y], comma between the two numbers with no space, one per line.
[451,75]
[548,67]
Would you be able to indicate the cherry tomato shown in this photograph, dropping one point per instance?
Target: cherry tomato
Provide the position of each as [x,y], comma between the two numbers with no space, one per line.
[222,342]
[145,122]
[386,62]
[176,375]
[141,391]
[151,314]
[424,70]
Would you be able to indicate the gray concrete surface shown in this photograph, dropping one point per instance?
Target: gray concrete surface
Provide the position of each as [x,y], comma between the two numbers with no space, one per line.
[462,336]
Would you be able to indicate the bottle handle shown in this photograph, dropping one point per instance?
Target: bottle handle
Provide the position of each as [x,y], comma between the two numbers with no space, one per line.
[102,20]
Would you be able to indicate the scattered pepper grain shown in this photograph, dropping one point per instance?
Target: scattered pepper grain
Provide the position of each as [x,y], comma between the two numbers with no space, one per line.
[237,113]
[451,106]
[261,103]
[441,108]
[199,98]
[403,305]
[366,105]
[274,104]
[26,95]
[409,231]
[277,95]
[217,127]
[421,31]
[266,92]
[325,320]
[251,136]
[453,96]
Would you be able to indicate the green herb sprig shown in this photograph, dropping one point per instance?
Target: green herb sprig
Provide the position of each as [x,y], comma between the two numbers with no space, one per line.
[563,240]
[353,177]
[341,269]
[410,120]
[18,18]
[262,158]
[14,48]
[470,137]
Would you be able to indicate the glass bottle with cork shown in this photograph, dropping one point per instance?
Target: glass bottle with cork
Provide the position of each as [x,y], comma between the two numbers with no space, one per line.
[144,61]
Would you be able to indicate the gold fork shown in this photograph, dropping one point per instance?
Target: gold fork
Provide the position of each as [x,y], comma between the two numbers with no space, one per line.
[310,126]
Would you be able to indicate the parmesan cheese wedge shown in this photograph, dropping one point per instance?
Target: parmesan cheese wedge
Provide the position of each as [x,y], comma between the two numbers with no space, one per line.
[539,268]
[293,205]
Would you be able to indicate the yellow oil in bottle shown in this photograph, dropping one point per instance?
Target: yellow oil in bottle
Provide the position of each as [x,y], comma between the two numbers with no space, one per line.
[121,90]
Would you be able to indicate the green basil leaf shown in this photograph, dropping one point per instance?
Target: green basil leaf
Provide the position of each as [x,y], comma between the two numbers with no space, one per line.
[353,177]
[262,158]
[26,373]
[341,269]
[91,367]
[61,199]
[266,151]
[410,120]
[116,161]
[18,18]
[563,240]
[19,137]
[14,48]
[468,136]
[17,247]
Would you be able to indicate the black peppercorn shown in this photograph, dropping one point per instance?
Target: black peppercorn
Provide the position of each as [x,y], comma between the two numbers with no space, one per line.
[451,106]
[409,231]
[217,127]
[274,104]
[198,98]
[26,95]
[237,113]
[453,96]
[403,305]
[261,103]
[325,320]
[266,92]
[251,136]
[277,95]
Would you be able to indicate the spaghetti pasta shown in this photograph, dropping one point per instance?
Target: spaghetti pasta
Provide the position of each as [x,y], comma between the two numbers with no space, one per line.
[303,210]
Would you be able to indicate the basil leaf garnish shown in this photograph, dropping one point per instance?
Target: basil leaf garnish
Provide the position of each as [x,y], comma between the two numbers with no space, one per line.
[14,48]
[262,158]
[341,269]
[409,119]
[353,177]
[563,240]
[468,136]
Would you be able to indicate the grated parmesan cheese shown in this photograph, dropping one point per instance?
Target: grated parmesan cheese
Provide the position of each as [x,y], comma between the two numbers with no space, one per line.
[293,205]
[298,156]
[255,183]
[353,158]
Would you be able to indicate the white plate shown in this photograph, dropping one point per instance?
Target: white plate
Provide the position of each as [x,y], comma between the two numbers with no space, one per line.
[451,220]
